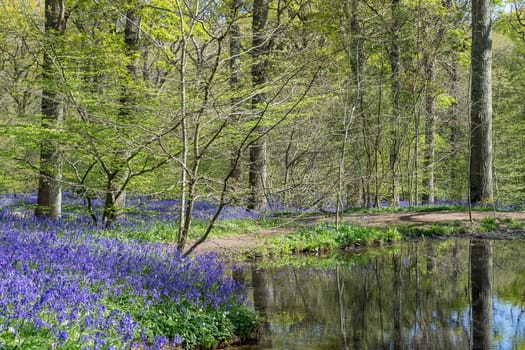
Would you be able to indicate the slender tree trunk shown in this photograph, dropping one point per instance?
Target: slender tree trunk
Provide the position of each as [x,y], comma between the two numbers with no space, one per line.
[188,215]
[356,54]
[377,137]
[456,182]
[288,163]
[260,52]
[430,129]
[395,64]
[357,59]
[416,160]
[481,179]
[182,236]
[235,85]
[347,120]
[49,199]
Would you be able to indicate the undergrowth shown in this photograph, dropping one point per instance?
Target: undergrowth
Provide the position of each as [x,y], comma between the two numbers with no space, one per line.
[325,238]
[434,230]
[166,231]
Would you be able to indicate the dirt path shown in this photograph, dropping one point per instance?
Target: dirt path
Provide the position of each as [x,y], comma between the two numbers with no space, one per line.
[426,218]
[229,247]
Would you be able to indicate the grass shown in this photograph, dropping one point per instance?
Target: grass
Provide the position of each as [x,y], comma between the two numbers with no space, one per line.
[325,238]
[433,230]
[166,231]
[488,224]
[513,224]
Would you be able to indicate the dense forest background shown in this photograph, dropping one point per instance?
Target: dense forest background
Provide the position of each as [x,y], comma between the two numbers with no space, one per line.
[267,104]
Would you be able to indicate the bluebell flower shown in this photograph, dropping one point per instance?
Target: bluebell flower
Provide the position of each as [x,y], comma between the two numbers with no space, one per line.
[57,275]
[63,335]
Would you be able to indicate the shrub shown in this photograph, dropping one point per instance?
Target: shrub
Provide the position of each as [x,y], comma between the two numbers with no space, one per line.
[435,230]
[487,224]
[364,236]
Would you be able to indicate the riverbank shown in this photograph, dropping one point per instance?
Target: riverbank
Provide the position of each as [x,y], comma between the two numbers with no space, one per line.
[505,225]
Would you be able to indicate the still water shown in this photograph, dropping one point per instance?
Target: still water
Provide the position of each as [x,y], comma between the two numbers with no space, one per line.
[454,294]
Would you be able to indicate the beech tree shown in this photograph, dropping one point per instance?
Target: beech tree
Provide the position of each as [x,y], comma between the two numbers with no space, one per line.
[258,152]
[318,104]
[481,153]
[49,202]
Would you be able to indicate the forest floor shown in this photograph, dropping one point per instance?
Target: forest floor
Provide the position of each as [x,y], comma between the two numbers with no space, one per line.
[238,245]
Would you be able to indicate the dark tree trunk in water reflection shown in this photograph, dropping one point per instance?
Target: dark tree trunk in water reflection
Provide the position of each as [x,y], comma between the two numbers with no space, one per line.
[398,285]
[481,253]
[380,288]
[412,297]
[260,303]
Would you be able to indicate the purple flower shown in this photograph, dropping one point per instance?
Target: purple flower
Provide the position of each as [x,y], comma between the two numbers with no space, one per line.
[63,336]
[57,275]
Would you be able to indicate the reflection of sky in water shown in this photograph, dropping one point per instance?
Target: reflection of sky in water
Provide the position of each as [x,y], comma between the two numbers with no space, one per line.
[508,325]
[436,316]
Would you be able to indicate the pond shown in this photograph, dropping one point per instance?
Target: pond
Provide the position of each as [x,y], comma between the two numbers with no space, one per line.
[453,294]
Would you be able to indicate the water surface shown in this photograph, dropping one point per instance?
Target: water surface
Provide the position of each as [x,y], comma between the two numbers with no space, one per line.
[454,294]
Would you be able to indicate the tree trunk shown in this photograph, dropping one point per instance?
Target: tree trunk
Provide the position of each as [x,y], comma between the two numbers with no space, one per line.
[481,153]
[235,85]
[260,52]
[111,205]
[357,54]
[416,161]
[115,201]
[357,59]
[395,64]
[257,176]
[182,235]
[457,184]
[430,128]
[49,199]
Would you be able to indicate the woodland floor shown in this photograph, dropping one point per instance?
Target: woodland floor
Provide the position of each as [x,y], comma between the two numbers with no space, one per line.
[231,246]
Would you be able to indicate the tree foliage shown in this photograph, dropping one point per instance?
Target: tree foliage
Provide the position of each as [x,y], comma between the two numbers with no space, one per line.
[359,102]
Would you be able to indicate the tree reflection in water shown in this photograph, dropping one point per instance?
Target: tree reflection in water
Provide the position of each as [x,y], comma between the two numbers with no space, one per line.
[410,297]
[481,255]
